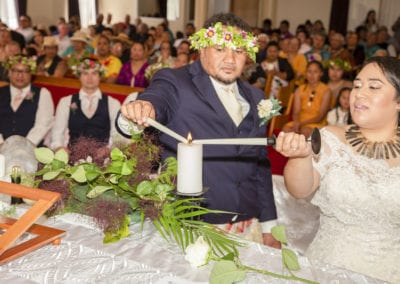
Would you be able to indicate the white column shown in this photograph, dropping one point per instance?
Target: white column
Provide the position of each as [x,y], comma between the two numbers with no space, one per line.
[201,7]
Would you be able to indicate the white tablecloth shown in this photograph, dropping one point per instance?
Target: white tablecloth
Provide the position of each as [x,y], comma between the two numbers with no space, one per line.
[143,257]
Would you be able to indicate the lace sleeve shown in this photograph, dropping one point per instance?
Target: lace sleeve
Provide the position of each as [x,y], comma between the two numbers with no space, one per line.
[322,161]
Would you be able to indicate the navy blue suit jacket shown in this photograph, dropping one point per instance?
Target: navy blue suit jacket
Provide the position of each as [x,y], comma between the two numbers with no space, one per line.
[238,177]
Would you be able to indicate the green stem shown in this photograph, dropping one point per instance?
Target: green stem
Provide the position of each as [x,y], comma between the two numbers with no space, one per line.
[265,272]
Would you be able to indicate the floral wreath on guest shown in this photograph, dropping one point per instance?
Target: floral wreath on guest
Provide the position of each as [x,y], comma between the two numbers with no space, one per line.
[225,36]
[339,62]
[20,59]
[89,63]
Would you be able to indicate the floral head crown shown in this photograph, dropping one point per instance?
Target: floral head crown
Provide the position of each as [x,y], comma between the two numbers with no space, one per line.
[88,63]
[20,59]
[339,62]
[225,36]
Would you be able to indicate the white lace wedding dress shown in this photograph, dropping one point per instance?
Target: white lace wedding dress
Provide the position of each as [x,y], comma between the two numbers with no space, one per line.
[359,200]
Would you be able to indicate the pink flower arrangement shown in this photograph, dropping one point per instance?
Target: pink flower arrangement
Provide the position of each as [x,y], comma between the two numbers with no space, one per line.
[73,107]
[29,96]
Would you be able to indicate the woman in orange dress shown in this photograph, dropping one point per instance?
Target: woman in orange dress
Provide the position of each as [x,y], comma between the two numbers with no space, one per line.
[311,102]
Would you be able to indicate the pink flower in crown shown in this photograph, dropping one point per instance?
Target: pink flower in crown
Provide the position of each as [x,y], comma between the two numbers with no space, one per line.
[228,36]
[73,107]
[29,96]
[210,32]
[243,34]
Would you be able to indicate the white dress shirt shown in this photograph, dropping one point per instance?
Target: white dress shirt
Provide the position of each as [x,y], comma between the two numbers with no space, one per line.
[44,113]
[59,137]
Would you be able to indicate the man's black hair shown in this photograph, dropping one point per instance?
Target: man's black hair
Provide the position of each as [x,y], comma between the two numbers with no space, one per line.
[227,19]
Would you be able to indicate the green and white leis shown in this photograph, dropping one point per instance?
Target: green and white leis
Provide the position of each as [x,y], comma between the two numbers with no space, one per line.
[225,36]
[20,59]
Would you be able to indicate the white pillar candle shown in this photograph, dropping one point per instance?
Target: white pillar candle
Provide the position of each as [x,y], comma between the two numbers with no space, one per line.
[2,165]
[190,168]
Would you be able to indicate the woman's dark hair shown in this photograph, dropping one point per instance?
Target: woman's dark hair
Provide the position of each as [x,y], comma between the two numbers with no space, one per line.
[272,43]
[319,64]
[227,19]
[390,66]
[337,105]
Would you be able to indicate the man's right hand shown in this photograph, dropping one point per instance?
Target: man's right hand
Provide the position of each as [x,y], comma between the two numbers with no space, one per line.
[138,111]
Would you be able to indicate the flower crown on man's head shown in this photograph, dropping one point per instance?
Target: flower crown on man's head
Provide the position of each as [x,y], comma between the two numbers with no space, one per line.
[339,62]
[20,59]
[225,36]
[86,64]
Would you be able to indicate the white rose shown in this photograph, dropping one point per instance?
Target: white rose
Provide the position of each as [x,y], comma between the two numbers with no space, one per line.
[264,108]
[198,253]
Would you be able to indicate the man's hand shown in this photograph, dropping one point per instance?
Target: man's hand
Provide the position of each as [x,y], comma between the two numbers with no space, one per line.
[138,111]
[270,241]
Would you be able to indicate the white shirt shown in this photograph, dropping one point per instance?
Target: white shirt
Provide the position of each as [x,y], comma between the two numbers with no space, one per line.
[28,33]
[59,131]
[220,87]
[63,44]
[44,114]
[337,117]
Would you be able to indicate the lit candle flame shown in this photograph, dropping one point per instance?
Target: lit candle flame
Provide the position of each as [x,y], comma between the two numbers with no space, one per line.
[189,138]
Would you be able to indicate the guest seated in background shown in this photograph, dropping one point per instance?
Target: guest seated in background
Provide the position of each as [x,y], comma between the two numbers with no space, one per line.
[111,63]
[253,74]
[336,70]
[37,42]
[356,50]
[90,113]
[11,48]
[337,49]
[318,51]
[273,65]
[355,179]
[25,109]
[120,46]
[50,64]
[164,60]
[164,56]
[297,61]
[340,114]
[181,59]
[311,102]
[78,50]
[132,72]
[62,38]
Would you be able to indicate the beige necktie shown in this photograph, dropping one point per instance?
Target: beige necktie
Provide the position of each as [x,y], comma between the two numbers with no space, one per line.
[231,104]
[17,100]
[91,109]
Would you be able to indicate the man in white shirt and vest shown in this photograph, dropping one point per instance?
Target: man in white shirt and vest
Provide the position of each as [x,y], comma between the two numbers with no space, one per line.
[25,109]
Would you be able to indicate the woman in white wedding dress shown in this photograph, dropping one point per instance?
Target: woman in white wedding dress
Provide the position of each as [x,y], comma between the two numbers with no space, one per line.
[356,177]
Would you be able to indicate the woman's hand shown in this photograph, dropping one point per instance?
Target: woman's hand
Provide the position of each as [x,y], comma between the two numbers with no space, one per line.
[292,145]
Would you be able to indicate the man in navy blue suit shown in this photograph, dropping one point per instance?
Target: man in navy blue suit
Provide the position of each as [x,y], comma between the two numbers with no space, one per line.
[208,99]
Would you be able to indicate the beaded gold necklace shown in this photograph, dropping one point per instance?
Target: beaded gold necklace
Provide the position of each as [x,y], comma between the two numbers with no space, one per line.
[377,150]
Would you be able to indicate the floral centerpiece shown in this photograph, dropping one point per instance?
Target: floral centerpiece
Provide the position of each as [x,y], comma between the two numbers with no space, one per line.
[120,186]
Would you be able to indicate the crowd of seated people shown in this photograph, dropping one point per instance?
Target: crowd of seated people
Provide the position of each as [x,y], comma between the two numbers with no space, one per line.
[133,52]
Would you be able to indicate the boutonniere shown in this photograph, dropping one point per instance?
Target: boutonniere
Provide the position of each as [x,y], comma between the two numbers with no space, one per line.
[29,96]
[268,109]
[73,107]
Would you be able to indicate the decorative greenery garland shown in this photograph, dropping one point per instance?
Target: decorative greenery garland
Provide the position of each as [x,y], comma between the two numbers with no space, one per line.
[20,59]
[225,36]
